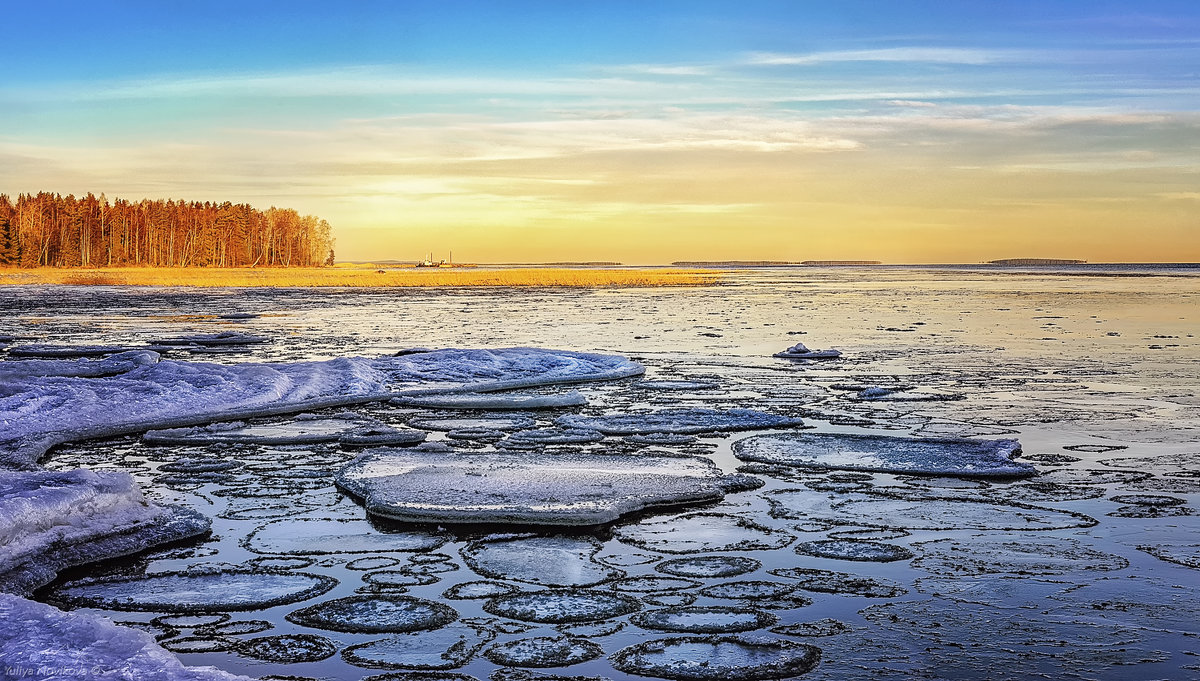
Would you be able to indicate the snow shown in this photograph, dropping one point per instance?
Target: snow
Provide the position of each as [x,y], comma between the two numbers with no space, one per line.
[526,488]
[37,413]
[41,642]
[886,454]
[50,520]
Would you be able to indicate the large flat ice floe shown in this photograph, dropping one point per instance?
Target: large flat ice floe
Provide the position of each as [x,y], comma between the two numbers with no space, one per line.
[528,489]
[39,411]
[50,520]
[41,642]
[886,454]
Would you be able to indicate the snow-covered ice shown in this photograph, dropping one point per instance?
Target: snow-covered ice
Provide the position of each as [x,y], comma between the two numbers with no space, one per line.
[375,614]
[41,642]
[446,648]
[50,520]
[678,421]
[41,412]
[318,536]
[196,591]
[702,658]
[714,619]
[561,606]
[488,401]
[887,454]
[527,488]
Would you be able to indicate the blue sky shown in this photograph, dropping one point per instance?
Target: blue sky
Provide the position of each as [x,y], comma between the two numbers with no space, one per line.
[489,122]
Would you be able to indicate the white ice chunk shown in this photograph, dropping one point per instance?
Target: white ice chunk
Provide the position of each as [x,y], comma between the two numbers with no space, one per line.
[886,454]
[41,642]
[799,351]
[520,488]
[54,519]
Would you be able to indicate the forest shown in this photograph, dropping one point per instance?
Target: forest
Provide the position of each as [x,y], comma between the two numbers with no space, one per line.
[51,230]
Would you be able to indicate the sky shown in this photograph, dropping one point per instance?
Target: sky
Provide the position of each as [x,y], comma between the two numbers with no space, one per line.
[637,132]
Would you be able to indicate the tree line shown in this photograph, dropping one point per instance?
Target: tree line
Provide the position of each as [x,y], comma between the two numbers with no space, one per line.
[43,229]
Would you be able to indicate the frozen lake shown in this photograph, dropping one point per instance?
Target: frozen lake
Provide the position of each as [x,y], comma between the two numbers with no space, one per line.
[1087,569]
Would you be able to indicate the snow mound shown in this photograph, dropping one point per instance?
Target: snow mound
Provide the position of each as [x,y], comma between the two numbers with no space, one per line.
[886,454]
[50,520]
[526,488]
[493,401]
[41,642]
[41,412]
[678,421]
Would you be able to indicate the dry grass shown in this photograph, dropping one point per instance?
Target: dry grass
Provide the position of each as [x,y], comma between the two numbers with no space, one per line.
[358,277]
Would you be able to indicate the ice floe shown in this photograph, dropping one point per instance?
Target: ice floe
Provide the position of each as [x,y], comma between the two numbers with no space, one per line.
[716,658]
[315,536]
[302,429]
[845,583]
[919,512]
[520,488]
[201,590]
[213,339]
[886,454]
[678,421]
[562,606]
[1015,554]
[288,648]
[38,637]
[375,614]
[543,651]
[541,437]
[50,520]
[548,561]
[709,566]
[111,365]
[1187,555]
[676,385]
[450,647]
[65,351]
[486,401]
[43,412]
[698,532]
[491,423]
[716,619]
[823,627]
[854,549]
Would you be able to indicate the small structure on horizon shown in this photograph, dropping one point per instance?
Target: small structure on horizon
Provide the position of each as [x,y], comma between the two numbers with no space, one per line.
[1036,261]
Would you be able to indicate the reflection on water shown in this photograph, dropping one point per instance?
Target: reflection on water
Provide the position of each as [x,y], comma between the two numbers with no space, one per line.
[1072,364]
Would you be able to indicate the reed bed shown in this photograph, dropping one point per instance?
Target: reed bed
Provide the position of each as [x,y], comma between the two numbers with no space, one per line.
[359,278]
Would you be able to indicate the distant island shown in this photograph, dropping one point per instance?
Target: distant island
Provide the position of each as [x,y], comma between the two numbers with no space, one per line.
[769,263]
[1036,261]
[51,230]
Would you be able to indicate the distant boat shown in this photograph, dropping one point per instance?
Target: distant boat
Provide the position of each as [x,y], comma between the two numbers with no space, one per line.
[430,262]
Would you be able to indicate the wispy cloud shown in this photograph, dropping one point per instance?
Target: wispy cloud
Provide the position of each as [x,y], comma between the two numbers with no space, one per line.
[940,55]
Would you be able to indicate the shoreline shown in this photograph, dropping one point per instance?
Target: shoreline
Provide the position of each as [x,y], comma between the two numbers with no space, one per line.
[342,277]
